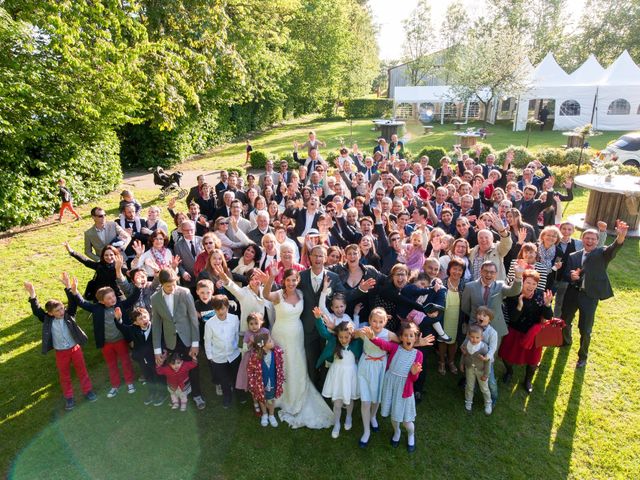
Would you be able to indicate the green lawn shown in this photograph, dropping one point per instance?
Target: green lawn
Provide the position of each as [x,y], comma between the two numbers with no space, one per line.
[335,133]
[576,424]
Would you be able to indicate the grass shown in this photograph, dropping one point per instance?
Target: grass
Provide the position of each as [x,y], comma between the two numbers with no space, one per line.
[577,424]
[336,133]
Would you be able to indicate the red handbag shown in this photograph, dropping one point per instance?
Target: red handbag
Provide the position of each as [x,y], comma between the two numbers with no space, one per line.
[550,335]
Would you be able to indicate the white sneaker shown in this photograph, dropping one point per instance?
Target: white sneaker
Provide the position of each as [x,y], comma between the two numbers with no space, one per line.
[200,403]
[112,393]
[219,390]
[468,406]
[264,421]
[348,423]
[335,433]
[487,408]
[131,388]
[272,421]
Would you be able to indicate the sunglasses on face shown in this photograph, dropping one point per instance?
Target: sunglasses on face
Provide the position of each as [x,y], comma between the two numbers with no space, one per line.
[100,216]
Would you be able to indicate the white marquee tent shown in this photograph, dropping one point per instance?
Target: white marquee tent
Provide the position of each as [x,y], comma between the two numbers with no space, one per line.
[607,98]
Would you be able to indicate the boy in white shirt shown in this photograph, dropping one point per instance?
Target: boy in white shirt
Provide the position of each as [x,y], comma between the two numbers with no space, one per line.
[221,339]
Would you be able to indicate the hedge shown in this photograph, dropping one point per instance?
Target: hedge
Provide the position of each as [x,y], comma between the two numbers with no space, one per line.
[367,107]
[144,145]
[28,182]
[434,154]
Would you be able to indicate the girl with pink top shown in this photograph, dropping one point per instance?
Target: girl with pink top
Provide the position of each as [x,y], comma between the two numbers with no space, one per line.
[403,368]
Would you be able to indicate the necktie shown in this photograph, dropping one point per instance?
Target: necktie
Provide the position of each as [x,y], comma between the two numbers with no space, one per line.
[316,284]
[485,297]
[193,249]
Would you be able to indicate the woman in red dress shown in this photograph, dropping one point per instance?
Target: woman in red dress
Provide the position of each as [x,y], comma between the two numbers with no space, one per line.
[531,307]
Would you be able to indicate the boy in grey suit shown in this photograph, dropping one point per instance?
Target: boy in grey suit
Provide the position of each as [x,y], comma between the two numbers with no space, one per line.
[175,326]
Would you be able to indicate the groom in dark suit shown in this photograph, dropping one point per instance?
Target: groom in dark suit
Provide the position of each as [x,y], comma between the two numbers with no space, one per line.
[586,272]
[311,282]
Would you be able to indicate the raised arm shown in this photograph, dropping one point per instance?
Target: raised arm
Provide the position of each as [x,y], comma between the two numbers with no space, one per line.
[267,282]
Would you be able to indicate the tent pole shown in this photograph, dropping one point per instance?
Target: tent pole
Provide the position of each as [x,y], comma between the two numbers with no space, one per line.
[466,113]
[442,104]
[515,120]
[595,101]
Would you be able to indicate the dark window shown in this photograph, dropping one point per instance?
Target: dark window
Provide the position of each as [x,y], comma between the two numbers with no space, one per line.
[627,143]
[619,107]
[569,108]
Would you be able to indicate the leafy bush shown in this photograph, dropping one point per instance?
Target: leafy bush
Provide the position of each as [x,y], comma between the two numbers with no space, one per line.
[240,171]
[258,159]
[408,154]
[367,107]
[480,152]
[569,171]
[28,181]
[522,156]
[434,154]
[572,155]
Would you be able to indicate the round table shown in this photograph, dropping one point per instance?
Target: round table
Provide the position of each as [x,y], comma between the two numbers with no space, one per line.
[467,140]
[388,127]
[610,201]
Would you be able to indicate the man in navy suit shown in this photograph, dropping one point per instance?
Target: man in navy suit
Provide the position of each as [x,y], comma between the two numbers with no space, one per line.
[586,272]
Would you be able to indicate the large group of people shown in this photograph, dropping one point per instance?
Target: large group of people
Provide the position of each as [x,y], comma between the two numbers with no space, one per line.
[335,279]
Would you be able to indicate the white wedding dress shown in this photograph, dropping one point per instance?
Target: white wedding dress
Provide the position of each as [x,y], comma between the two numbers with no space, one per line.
[301,405]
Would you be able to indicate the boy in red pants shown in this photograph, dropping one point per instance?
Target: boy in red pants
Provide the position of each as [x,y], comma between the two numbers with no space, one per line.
[61,332]
[67,200]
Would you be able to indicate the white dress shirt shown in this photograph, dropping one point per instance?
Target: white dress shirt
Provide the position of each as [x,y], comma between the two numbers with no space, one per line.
[221,339]
[168,300]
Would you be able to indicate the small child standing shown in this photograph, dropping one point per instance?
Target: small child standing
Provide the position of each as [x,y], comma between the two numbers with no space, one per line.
[177,372]
[139,332]
[66,199]
[338,306]
[341,385]
[403,368]
[476,366]
[205,311]
[61,332]
[484,317]
[221,337]
[266,376]
[255,324]
[108,337]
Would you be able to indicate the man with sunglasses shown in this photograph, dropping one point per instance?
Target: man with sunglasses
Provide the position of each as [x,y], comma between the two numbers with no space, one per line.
[103,233]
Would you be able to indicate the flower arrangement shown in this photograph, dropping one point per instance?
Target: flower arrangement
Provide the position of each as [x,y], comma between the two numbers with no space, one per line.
[605,168]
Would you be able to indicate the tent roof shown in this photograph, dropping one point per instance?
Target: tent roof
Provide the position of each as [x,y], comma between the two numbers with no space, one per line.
[589,73]
[549,73]
[623,71]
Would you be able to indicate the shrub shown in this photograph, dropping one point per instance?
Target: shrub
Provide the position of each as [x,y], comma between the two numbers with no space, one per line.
[367,107]
[572,155]
[28,179]
[480,152]
[408,154]
[434,154]
[240,171]
[258,159]
[569,171]
[522,156]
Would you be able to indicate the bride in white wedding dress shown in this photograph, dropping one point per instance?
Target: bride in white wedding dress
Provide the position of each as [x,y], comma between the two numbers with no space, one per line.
[301,405]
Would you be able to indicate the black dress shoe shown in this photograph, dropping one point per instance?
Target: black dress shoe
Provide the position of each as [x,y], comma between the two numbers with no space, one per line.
[362,444]
[395,443]
[411,448]
[528,387]
[375,429]
[506,378]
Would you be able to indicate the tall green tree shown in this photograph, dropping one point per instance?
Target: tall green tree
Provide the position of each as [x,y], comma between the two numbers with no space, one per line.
[488,66]
[419,43]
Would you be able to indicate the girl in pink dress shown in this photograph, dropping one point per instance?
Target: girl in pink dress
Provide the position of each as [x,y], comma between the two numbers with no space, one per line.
[255,323]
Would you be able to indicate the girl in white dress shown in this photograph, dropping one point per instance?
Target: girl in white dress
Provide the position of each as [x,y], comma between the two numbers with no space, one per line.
[301,405]
[342,352]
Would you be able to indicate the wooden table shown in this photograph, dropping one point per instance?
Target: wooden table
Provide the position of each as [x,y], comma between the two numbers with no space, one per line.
[459,124]
[467,140]
[574,140]
[610,201]
[428,129]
